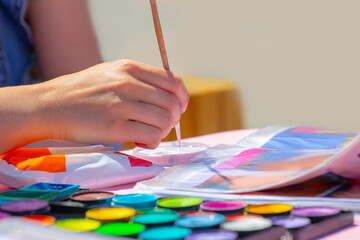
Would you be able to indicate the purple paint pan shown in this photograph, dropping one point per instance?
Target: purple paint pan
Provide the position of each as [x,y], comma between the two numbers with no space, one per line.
[213,235]
[291,222]
[26,207]
[315,213]
[224,207]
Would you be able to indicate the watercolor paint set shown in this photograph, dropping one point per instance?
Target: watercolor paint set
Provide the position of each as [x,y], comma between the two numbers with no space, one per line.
[147,217]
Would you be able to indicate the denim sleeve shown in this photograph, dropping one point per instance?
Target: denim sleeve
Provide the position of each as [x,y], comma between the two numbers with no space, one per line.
[16,46]
[17,10]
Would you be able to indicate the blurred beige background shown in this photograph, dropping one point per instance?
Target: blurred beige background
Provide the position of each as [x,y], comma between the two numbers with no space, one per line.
[295,62]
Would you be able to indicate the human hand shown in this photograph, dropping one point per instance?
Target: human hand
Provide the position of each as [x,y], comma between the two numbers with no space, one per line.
[120,101]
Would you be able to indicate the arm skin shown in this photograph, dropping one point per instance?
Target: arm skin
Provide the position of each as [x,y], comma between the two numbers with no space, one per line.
[120,101]
[64,38]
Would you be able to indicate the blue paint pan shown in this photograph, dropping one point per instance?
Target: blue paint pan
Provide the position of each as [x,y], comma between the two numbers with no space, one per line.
[62,190]
[137,200]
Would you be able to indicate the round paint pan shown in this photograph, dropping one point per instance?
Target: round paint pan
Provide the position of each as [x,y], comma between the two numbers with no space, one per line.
[316,214]
[197,213]
[78,224]
[92,197]
[247,226]
[43,220]
[156,219]
[108,215]
[291,222]
[180,203]
[137,200]
[270,210]
[154,210]
[169,153]
[26,207]
[213,235]
[4,215]
[121,229]
[235,217]
[165,233]
[224,207]
[201,222]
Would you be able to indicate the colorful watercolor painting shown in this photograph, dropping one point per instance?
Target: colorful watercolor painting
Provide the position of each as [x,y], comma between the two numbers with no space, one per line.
[272,157]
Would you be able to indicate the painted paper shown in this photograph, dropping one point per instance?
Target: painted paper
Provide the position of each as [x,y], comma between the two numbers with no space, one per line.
[273,157]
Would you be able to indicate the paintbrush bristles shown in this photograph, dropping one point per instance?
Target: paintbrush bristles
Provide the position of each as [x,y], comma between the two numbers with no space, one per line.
[159,34]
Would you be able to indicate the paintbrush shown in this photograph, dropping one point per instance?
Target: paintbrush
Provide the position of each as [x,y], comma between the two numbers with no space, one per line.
[164,58]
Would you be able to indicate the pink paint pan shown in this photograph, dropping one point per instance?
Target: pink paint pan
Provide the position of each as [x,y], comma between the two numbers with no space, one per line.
[224,207]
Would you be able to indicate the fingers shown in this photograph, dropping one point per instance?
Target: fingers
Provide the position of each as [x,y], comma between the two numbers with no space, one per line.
[144,135]
[144,93]
[164,100]
[144,146]
[150,115]
[158,77]
[158,98]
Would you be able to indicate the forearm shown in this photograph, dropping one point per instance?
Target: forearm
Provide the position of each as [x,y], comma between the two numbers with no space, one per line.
[64,38]
[20,111]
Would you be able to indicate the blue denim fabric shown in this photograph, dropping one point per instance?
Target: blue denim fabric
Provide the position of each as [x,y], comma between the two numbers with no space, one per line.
[16,47]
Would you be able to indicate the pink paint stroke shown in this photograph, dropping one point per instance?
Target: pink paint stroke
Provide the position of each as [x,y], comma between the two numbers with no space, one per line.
[243,157]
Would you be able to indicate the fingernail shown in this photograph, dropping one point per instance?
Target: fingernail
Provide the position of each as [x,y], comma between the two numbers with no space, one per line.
[184,108]
[141,145]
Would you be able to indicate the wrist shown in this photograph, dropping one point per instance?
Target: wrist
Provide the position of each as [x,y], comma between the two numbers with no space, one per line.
[40,119]
[46,119]
[21,120]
